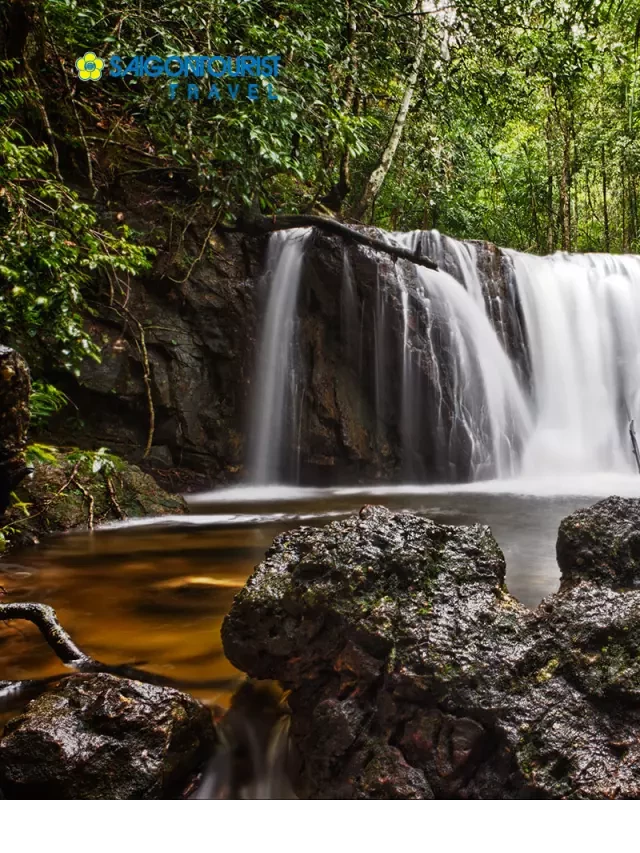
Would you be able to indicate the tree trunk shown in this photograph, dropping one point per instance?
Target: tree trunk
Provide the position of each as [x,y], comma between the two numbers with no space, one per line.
[15,387]
[565,189]
[551,237]
[339,191]
[603,159]
[18,20]
[376,179]
[607,243]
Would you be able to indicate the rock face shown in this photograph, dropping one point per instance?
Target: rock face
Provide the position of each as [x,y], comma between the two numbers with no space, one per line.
[201,308]
[365,339]
[198,315]
[15,385]
[414,673]
[102,737]
[601,543]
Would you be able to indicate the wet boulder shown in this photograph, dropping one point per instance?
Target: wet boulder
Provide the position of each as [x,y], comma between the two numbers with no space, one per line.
[413,673]
[103,737]
[602,543]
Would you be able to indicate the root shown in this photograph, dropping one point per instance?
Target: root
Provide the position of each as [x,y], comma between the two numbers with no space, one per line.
[114,500]
[91,500]
[45,619]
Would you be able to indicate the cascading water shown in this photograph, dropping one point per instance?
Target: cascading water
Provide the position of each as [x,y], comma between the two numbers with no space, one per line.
[274,409]
[582,317]
[487,405]
[503,363]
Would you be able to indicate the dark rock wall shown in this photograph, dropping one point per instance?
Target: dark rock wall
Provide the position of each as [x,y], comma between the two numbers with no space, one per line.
[199,327]
[353,423]
[201,322]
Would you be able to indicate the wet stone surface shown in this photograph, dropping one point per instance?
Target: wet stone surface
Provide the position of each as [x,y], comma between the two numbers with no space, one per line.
[102,737]
[413,673]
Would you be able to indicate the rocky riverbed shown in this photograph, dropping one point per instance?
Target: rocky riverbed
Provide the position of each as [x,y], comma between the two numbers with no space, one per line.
[411,673]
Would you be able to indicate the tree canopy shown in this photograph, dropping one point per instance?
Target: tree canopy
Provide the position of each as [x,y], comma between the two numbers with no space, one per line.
[514,121]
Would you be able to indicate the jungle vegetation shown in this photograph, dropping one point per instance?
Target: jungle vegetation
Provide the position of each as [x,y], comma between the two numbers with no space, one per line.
[514,121]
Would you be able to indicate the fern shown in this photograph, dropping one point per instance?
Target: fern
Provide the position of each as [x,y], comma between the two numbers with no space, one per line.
[41,454]
[20,505]
[45,401]
[94,461]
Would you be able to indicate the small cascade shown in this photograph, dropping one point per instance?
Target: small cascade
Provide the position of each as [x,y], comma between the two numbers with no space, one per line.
[582,317]
[275,404]
[495,365]
[480,404]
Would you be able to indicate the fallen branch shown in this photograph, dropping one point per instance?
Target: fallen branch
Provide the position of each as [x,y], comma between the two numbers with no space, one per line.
[45,619]
[255,224]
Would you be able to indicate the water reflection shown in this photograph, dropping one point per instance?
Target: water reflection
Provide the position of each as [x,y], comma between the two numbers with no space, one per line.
[155,595]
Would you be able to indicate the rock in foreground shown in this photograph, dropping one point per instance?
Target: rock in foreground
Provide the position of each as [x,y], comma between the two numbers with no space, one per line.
[102,737]
[415,674]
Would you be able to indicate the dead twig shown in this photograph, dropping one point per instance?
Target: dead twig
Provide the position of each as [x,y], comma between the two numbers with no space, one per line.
[46,620]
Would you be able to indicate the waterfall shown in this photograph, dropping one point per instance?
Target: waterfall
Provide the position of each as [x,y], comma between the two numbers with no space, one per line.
[275,402]
[495,365]
[582,316]
[489,411]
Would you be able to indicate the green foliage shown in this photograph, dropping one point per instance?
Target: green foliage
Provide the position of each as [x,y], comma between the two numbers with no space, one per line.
[286,153]
[41,454]
[20,505]
[51,245]
[529,135]
[95,461]
[523,129]
[45,401]
[524,119]
[86,462]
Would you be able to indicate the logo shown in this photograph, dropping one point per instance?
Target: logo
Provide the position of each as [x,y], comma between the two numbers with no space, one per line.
[255,74]
[89,66]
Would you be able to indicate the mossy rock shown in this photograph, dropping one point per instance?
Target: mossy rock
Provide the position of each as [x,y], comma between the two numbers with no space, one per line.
[72,489]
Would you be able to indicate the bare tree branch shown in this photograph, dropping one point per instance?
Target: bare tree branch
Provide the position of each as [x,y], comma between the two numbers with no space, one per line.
[256,225]
[45,619]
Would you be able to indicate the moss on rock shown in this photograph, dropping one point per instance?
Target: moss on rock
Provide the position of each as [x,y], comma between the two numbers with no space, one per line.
[75,489]
[403,630]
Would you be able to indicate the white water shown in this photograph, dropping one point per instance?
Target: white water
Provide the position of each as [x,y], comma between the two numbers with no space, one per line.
[585,486]
[272,412]
[581,317]
[489,404]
